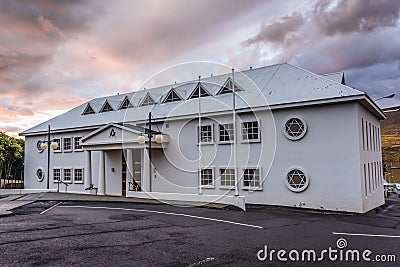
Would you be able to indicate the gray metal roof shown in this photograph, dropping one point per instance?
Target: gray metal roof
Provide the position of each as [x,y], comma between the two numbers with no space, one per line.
[337,76]
[266,86]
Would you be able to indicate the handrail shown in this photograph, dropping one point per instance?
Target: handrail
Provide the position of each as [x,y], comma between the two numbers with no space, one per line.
[135,187]
[66,185]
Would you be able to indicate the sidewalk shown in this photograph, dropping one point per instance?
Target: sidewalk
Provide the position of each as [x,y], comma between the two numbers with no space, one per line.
[14,201]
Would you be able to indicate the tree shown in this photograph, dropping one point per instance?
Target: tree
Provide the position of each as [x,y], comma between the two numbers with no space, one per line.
[11,157]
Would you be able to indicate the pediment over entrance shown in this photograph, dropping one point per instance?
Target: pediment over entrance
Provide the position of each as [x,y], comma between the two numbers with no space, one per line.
[116,136]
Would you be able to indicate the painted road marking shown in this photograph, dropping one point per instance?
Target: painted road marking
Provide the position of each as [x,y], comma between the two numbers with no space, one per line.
[55,205]
[168,213]
[370,235]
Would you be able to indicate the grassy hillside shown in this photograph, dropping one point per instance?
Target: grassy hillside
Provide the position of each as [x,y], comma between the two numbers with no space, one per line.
[391,135]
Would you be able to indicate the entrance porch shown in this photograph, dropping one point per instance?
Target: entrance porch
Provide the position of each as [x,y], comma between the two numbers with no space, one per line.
[122,161]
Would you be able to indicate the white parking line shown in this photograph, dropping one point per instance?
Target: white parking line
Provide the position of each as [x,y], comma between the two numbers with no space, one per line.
[369,235]
[55,205]
[167,213]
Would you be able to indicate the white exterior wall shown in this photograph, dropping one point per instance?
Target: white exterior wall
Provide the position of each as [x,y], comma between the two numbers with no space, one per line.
[35,160]
[331,153]
[371,166]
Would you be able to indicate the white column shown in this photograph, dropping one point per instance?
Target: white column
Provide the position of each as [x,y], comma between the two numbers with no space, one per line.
[102,175]
[88,169]
[129,165]
[145,170]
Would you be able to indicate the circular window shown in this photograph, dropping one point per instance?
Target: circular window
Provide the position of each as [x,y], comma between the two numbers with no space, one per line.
[297,180]
[40,175]
[295,128]
[38,146]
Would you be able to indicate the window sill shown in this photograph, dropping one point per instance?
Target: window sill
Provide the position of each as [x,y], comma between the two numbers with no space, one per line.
[78,182]
[249,188]
[205,143]
[227,187]
[68,182]
[67,151]
[207,187]
[226,142]
[57,151]
[251,141]
[78,150]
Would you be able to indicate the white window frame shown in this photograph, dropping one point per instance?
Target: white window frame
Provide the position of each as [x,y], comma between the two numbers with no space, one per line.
[199,134]
[63,175]
[250,187]
[40,179]
[77,149]
[83,175]
[250,140]
[295,138]
[229,187]
[209,186]
[304,187]
[219,133]
[60,148]
[63,144]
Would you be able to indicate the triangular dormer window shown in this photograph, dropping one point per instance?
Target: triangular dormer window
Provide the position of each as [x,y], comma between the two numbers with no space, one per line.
[172,97]
[88,110]
[195,93]
[106,107]
[126,104]
[228,87]
[147,101]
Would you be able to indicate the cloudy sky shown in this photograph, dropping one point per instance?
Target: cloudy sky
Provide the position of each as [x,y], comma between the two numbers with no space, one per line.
[55,55]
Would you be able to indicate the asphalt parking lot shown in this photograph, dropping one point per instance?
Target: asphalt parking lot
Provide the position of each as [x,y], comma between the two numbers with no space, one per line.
[131,234]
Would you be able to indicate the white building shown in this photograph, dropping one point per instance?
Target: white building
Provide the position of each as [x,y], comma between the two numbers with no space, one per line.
[298,139]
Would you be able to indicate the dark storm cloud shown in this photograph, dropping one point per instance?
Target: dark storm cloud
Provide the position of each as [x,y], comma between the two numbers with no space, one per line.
[356,15]
[278,31]
[337,36]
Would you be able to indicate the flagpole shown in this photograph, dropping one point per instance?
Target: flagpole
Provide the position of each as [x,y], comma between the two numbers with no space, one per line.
[234,133]
[199,136]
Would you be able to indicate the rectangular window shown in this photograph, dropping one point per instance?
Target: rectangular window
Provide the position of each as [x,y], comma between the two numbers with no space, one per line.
[56,175]
[250,131]
[365,180]
[226,132]
[373,176]
[206,178]
[370,136]
[363,134]
[379,140]
[373,137]
[67,144]
[367,134]
[67,175]
[78,175]
[251,178]
[227,177]
[77,145]
[58,141]
[206,134]
[369,179]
